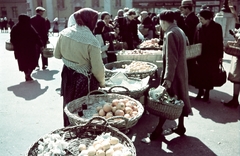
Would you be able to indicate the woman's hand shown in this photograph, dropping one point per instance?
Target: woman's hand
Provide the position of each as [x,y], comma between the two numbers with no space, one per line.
[167,84]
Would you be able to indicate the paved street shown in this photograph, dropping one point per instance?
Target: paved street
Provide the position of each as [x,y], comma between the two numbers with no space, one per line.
[30,110]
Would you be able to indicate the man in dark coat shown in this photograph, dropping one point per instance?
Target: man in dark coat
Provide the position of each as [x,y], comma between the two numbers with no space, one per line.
[189,27]
[24,39]
[39,24]
[146,23]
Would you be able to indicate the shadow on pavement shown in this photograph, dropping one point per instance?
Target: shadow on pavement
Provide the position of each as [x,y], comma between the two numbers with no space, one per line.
[214,108]
[28,90]
[45,74]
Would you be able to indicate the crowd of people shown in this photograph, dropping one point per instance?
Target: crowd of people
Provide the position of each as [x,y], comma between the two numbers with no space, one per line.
[5,24]
[80,50]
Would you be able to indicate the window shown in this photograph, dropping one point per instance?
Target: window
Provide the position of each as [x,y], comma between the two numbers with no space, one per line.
[4,11]
[39,3]
[14,12]
[118,3]
[60,4]
[95,3]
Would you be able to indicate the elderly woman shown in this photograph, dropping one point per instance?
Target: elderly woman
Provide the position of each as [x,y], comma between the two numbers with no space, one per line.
[24,39]
[83,69]
[209,33]
[174,75]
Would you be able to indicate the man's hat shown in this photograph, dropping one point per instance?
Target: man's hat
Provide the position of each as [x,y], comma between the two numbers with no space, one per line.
[39,9]
[186,3]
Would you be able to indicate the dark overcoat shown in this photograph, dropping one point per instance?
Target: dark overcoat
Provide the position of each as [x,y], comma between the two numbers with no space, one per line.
[24,39]
[211,38]
[39,24]
[175,65]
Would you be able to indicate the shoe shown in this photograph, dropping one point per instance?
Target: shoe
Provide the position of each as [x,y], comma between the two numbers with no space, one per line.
[206,96]
[179,131]
[232,103]
[156,135]
[200,94]
[44,67]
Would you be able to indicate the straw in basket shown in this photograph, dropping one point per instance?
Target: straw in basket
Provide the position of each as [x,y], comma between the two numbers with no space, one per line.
[232,48]
[118,64]
[86,133]
[92,102]
[193,51]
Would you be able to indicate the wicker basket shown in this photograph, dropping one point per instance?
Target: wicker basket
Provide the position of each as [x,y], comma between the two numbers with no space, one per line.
[167,111]
[232,48]
[90,131]
[48,51]
[136,94]
[193,51]
[9,46]
[118,64]
[122,124]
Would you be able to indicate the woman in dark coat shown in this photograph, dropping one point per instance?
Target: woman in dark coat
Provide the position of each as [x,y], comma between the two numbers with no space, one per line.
[24,39]
[209,33]
[174,75]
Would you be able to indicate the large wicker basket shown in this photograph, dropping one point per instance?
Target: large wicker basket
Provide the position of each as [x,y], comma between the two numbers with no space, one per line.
[9,46]
[118,64]
[232,48]
[48,51]
[167,111]
[90,131]
[193,51]
[119,122]
[136,94]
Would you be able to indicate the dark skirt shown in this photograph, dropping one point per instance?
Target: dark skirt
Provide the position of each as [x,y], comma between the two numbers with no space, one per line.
[75,85]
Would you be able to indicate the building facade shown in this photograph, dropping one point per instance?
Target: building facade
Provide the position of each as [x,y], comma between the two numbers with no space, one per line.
[64,8]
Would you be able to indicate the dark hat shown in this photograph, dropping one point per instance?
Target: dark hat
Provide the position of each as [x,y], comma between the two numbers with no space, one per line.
[39,9]
[206,14]
[186,3]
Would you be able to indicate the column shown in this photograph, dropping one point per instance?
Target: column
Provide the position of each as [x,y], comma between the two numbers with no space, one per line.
[49,10]
[129,4]
[107,6]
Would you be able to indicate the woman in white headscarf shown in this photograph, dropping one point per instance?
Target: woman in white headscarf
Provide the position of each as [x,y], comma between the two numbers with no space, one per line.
[83,69]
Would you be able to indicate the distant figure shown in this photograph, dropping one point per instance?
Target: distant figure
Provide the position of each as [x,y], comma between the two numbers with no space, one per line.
[66,23]
[48,24]
[11,23]
[5,25]
[39,23]
[24,39]
[55,26]
[1,24]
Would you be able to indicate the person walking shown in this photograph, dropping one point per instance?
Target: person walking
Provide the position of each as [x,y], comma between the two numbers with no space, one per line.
[189,26]
[80,51]
[174,74]
[24,39]
[55,26]
[209,33]
[39,24]
[11,23]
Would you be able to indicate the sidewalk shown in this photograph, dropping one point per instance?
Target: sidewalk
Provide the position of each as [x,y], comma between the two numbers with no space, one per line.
[30,110]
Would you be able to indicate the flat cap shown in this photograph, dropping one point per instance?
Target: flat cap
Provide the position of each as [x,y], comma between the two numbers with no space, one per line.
[39,9]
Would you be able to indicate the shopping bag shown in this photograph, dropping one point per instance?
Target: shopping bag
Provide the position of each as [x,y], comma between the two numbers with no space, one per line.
[193,51]
[220,77]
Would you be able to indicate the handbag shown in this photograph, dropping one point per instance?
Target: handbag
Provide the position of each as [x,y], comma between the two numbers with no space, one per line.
[232,48]
[9,46]
[220,77]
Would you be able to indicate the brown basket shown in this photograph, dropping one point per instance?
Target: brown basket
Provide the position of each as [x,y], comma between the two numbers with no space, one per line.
[48,51]
[9,46]
[90,131]
[136,94]
[118,64]
[122,124]
[193,51]
[232,48]
[167,111]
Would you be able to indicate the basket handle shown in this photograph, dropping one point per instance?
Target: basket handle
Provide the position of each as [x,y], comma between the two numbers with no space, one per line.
[118,117]
[110,90]
[97,91]
[90,122]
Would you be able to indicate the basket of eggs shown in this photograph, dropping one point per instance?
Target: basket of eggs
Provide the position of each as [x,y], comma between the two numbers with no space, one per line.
[136,69]
[120,111]
[88,139]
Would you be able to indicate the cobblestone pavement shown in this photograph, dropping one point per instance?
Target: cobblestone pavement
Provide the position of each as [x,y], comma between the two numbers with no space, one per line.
[29,110]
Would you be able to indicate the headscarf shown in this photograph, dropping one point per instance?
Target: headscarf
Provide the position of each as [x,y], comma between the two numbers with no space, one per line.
[71,21]
[206,14]
[24,19]
[103,14]
[86,17]
[167,15]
